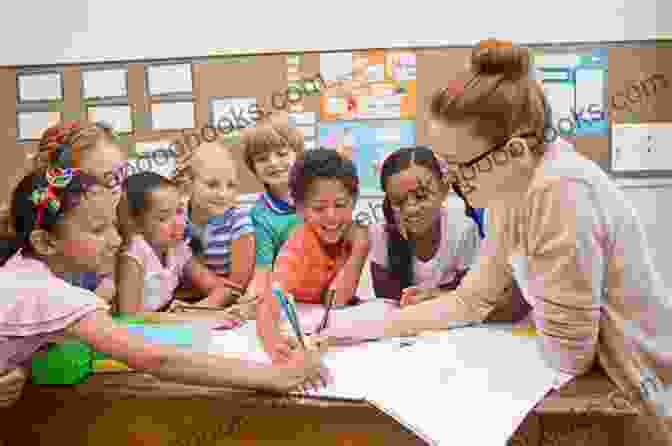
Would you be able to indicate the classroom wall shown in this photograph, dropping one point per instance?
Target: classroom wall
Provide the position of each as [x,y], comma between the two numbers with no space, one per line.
[38,32]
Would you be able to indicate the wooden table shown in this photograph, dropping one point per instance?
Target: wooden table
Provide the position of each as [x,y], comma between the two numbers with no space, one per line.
[134,409]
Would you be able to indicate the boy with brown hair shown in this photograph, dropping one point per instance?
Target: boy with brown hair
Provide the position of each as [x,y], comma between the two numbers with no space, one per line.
[270,149]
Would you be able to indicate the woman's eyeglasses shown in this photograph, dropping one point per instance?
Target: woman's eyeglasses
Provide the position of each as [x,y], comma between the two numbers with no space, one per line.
[499,155]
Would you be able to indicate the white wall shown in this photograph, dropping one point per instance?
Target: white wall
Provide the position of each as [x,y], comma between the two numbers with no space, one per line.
[76,31]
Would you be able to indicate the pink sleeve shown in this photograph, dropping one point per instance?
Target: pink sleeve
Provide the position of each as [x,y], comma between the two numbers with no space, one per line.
[41,305]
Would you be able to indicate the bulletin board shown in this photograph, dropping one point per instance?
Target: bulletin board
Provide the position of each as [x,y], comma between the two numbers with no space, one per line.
[379,105]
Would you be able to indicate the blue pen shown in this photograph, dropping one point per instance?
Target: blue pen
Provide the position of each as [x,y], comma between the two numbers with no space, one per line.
[284,303]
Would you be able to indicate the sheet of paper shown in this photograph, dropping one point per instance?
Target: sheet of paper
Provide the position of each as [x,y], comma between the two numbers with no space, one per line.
[309,144]
[376,73]
[307,118]
[40,87]
[173,115]
[237,112]
[590,90]
[166,79]
[498,388]
[104,83]
[118,116]
[241,343]
[561,99]
[308,131]
[32,124]
[162,158]
[336,66]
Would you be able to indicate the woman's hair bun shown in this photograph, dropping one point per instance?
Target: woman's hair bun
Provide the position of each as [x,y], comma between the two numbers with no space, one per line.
[494,56]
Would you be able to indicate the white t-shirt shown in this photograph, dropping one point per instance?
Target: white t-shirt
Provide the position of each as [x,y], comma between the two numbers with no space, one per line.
[458,249]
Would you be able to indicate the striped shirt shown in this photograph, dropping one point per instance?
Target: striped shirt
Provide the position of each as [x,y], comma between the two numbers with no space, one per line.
[213,240]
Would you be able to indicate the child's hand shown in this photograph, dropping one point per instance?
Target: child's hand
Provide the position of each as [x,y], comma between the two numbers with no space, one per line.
[245,311]
[358,237]
[11,386]
[414,295]
[303,369]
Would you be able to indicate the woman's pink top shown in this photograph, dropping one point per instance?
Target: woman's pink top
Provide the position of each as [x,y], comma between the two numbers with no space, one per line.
[160,282]
[36,307]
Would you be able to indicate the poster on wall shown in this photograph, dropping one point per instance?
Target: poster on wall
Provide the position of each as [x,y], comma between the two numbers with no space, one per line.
[575,84]
[375,84]
[371,141]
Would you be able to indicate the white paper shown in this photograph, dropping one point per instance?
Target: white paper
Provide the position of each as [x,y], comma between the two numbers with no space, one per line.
[477,375]
[336,105]
[118,116]
[376,73]
[389,135]
[33,124]
[641,147]
[306,118]
[308,132]
[241,342]
[173,115]
[406,67]
[309,144]
[590,90]
[336,66]
[380,107]
[560,96]
[162,158]
[236,112]
[104,83]
[40,87]
[165,79]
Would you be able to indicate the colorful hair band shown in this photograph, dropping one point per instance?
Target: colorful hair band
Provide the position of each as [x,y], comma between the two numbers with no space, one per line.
[48,197]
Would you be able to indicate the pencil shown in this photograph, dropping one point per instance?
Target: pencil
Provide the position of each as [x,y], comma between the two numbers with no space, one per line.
[292,306]
[331,297]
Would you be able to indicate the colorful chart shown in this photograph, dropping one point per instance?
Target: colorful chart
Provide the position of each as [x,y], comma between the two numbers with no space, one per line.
[371,142]
[375,84]
[575,83]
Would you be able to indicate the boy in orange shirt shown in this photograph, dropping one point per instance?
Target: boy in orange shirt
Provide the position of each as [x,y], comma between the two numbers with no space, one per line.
[327,252]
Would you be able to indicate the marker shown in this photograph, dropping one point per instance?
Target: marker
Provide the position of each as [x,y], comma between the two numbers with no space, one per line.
[284,303]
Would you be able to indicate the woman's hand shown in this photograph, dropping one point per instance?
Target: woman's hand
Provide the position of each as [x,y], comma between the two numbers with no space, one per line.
[11,386]
[414,295]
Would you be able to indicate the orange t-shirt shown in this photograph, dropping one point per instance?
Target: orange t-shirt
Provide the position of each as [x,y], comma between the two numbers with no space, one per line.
[304,268]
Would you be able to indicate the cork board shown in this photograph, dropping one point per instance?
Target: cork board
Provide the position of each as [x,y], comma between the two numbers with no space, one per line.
[259,77]
[631,70]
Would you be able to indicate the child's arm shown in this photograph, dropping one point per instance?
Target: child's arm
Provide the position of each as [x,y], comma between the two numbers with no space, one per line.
[130,285]
[194,368]
[106,289]
[346,281]
[268,308]
[219,289]
[242,260]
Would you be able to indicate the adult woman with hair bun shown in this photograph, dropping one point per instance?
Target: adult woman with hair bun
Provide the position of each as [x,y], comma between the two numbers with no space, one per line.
[573,242]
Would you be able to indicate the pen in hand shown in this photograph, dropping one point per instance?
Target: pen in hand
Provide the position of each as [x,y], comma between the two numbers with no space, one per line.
[331,297]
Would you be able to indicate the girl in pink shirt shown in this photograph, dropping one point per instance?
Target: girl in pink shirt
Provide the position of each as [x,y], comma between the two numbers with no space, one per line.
[156,256]
[56,231]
